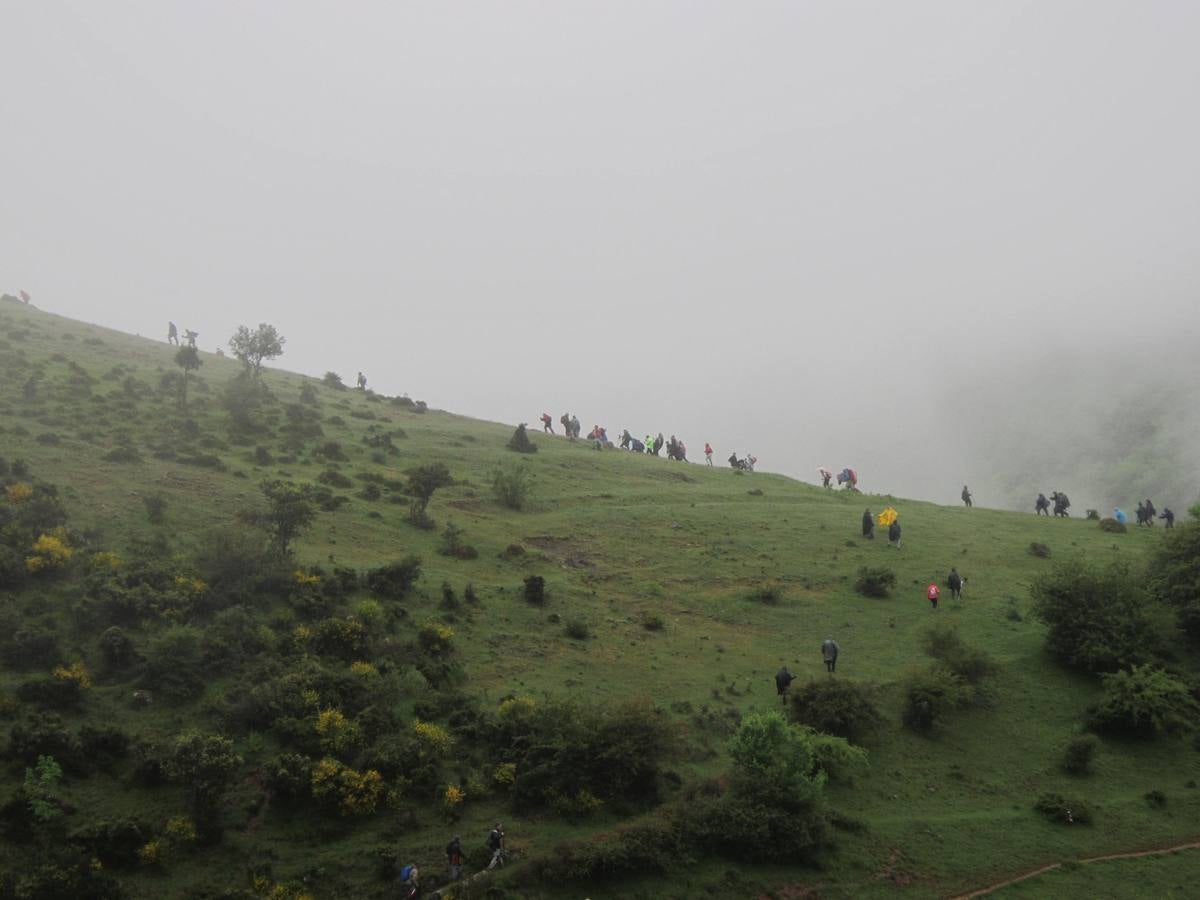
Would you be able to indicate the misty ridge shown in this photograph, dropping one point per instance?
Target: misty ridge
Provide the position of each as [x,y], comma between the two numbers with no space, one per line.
[1106,429]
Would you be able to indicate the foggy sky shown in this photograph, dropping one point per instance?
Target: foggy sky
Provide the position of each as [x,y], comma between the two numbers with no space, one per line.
[804,230]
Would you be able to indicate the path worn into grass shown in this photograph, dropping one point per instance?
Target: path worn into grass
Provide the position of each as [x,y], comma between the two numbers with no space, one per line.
[1041,870]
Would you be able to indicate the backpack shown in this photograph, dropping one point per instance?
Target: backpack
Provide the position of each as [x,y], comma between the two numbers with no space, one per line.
[493,840]
[933,592]
[406,872]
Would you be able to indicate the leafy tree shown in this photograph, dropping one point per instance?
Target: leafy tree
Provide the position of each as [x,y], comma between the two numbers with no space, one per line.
[422,482]
[1175,576]
[1095,618]
[1146,701]
[254,347]
[40,782]
[188,359]
[205,763]
[289,512]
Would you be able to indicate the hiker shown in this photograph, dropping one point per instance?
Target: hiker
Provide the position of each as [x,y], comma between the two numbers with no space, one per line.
[658,443]
[829,653]
[626,439]
[826,478]
[733,460]
[1141,514]
[1169,516]
[575,426]
[25,298]
[637,446]
[454,857]
[966,496]
[547,425]
[933,593]
[868,526]
[410,878]
[894,533]
[1042,506]
[172,334]
[649,444]
[783,678]
[1061,504]
[1119,515]
[361,381]
[495,843]
[708,453]
[955,581]
[565,421]
[1151,512]
[191,336]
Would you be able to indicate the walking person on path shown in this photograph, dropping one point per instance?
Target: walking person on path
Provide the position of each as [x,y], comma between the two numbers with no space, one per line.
[933,593]
[708,451]
[172,334]
[454,857]
[954,580]
[966,497]
[547,424]
[495,843]
[868,526]
[783,679]
[894,534]
[829,652]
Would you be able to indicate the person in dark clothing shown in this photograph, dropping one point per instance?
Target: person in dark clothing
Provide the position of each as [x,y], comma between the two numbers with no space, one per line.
[565,422]
[868,525]
[966,496]
[626,439]
[1061,504]
[1042,506]
[495,843]
[954,580]
[172,334]
[454,856]
[1151,512]
[894,533]
[547,423]
[783,678]
[829,653]
[1168,516]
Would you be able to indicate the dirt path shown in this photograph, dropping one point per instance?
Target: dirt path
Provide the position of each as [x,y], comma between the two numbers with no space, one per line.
[1033,873]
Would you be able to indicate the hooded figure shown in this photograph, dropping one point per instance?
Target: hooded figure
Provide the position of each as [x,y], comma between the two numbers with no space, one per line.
[1042,506]
[1119,515]
[1169,516]
[868,526]
[783,678]
[894,533]
[954,580]
[829,653]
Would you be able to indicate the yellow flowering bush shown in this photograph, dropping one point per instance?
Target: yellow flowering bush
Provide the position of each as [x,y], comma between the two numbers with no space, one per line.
[104,561]
[150,853]
[189,585]
[302,634]
[436,638]
[181,830]
[337,732]
[505,774]
[453,798]
[434,739]
[304,579]
[50,551]
[364,669]
[517,707]
[354,793]
[74,673]
[19,492]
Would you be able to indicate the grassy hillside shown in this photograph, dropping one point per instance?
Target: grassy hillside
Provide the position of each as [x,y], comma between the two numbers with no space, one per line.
[649,569]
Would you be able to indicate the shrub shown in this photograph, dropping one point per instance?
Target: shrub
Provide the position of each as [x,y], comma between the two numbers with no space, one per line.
[174,663]
[115,843]
[535,590]
[837,707]
[578,630]
[1039,550]
[1155,798]
[331,451]
[123,454]
[930,694]
[1112,526]
[156,508]
[289,512]
[205,764]
[334,478]
[766,594]
[512,485]
[1079,754]
[520,441]
[1095,618]
[875,581]
[289,778]
[653,622]
[1145,701]
[116,649]
[454,545]
[333,380]
[422,482]
[435,638]
[351,792]
[394,580]
[1057,808]
[1175,576]
[944,644]
[104,746]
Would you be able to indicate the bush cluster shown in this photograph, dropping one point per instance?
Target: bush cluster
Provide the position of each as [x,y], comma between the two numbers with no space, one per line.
[838,707]
[875,581]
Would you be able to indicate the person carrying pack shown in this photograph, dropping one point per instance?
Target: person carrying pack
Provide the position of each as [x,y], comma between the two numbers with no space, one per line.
[933,593]
[495,843]
[409,880]
[454,857]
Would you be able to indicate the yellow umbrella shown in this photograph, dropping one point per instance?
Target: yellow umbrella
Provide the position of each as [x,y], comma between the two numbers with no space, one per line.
[888,516]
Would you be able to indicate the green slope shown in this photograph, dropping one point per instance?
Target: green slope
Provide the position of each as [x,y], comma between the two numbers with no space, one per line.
[619,539]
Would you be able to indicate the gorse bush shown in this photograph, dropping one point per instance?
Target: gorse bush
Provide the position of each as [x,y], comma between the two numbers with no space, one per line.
[1095,619]
[875,581]
[1175,576]
[520,441]
[1145,701]
[1058,808]
[931,694]
[1079,754]
[837,707]
[1112,526]
[511,485]
[944,644]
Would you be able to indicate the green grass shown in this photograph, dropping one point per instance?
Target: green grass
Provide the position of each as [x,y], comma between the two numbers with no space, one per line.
[619,539]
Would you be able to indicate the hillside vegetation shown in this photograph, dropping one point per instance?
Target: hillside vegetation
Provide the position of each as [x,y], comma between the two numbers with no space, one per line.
[285,638]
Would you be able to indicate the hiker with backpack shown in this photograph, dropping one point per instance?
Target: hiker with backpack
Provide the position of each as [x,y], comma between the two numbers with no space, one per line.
[1041,506]
[829,653]
[410,879]
[894,533]
[547,426]
[454,856]
[783,679]
[966,497]
[955,581]
[933,593]
[708,451]
[868,526]
[495,843]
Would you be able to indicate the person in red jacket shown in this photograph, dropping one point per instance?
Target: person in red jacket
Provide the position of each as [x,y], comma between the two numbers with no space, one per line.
[546,426]
[933,593]
[708,452]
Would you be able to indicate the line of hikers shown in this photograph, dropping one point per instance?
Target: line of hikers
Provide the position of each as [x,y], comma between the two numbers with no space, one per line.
[888,517]
[652,445]
[410,875]
[1146,511]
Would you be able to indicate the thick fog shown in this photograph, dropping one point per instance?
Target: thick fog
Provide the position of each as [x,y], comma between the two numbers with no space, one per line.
[941,243]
